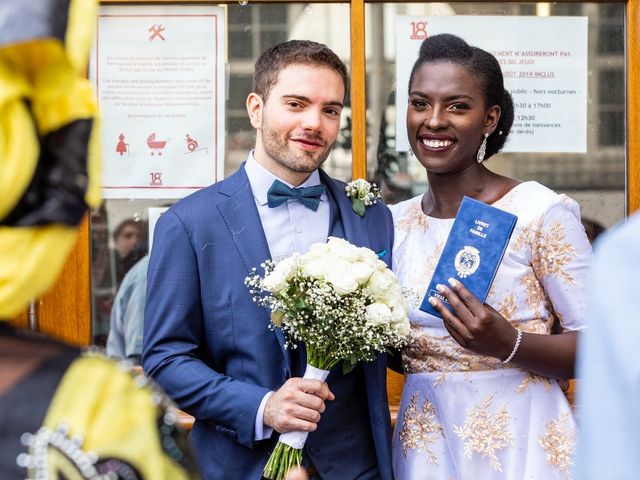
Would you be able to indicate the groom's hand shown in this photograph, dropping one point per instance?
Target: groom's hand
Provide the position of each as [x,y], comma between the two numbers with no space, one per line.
[297,405]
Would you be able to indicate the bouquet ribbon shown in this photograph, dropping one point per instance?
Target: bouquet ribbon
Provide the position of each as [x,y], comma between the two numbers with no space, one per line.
[297,439]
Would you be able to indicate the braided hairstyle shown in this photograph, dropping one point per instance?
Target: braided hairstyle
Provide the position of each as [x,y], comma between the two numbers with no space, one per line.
[483,67]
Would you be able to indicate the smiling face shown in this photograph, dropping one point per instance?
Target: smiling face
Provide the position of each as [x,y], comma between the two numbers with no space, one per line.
[299,121]
[447,117]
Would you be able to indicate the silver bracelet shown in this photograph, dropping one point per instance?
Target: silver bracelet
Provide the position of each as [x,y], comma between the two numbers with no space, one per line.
[515,347]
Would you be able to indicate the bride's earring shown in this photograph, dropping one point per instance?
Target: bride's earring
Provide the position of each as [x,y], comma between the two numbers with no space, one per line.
[483,149]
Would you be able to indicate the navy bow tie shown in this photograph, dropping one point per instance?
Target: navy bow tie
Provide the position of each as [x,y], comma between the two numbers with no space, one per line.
[308,196]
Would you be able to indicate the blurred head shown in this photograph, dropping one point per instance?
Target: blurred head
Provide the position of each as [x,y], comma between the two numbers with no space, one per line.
[485,71]
[126,236]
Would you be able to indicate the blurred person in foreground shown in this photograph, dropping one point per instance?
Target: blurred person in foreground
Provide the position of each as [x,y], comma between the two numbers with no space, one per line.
[64,414]
[609,361]
[480,398]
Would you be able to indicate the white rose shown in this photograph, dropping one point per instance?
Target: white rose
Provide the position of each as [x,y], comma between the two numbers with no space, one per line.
[378,284]
[314,267]
[340,248]
[403,328]
[318,249]
[398,313]
[361,272]
[275,281]
[392,295]
[288,265]
[377,314]
[343,282]
[370,258]
[281,274]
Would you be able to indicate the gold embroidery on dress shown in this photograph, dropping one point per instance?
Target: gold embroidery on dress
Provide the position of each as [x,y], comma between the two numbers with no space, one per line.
[440,379]
[420,428]
[418,277]
[426,353]
[559,443]
[551,253]
[531,378]
[413,218]
[522,239]
[485,433]
[508,307]
[534,294]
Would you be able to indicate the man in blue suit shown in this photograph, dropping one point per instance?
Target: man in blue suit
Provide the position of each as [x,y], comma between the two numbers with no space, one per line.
[209,345]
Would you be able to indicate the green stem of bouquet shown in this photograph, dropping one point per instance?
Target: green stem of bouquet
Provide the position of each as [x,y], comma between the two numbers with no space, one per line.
[281,461]
[320,359]
[283,456]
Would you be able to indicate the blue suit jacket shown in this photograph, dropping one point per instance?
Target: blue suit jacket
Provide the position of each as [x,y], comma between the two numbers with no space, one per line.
[209,345]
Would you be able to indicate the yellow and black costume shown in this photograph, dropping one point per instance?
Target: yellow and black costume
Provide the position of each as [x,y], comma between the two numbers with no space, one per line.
[64,414]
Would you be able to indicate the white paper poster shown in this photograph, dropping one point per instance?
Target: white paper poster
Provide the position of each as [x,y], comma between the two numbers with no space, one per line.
[159,78]
[544,63]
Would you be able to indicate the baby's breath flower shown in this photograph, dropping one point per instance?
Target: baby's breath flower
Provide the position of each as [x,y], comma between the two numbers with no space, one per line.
[335,321]
[362,194]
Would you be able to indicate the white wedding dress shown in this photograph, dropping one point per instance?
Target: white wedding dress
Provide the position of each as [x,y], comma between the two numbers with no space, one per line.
[468,416]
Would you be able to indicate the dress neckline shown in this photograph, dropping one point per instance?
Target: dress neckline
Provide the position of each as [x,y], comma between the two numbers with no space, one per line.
[450,220]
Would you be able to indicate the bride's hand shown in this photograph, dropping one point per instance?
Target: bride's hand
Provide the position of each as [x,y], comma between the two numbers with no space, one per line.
[475,326]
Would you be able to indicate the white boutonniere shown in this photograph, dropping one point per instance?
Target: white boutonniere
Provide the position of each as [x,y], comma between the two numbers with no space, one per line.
[362,194]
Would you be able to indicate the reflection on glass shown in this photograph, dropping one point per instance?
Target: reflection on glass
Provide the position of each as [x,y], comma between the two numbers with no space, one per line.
[116,263]
[595,179]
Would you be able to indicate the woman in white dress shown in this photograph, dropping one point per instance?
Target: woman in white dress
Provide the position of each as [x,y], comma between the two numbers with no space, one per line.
[480,399]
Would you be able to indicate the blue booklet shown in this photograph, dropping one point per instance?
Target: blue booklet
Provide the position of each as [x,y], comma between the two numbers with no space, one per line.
[473,251]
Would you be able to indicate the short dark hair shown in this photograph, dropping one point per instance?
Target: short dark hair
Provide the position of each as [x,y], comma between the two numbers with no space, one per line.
[484,67]
[129,222]
[272,61]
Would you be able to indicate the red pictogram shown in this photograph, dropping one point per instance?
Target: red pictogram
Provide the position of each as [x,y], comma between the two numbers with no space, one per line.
[155,31]
[156,178]
[122,147]
[154,145]
[419,30]
[192,143]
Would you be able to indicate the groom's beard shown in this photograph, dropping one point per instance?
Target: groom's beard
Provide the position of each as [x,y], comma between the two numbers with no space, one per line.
[282,150]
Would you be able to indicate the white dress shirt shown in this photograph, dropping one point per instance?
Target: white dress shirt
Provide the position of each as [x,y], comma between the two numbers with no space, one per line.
[289,228]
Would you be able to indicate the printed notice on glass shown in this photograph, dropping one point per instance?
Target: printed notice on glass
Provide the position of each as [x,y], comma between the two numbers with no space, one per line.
[159,77]
[544,64]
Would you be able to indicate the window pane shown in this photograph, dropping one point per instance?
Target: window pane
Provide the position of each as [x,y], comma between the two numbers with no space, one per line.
[250,28]
[596,179]
[612,128]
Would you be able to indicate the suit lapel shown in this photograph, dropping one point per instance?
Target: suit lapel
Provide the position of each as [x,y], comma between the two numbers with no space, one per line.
[355,227]
[241,216]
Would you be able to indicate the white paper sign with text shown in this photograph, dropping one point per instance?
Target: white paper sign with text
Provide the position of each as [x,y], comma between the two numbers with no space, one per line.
[159,75]
[544,64]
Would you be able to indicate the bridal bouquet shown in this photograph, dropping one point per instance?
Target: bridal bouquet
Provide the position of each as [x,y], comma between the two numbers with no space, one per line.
[343,303]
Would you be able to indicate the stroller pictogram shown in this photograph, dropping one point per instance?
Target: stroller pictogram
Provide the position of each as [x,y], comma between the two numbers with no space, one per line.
[156,146]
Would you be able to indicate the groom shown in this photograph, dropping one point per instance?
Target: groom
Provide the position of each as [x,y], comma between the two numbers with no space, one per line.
[209,345]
